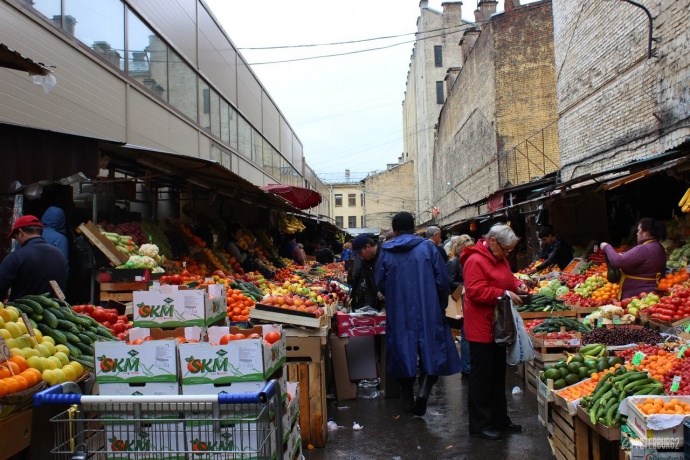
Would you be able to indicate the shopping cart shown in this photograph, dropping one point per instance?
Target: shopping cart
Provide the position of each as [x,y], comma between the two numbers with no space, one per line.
[178,427]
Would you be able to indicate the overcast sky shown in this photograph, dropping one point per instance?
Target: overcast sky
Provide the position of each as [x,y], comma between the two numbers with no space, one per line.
[346,110]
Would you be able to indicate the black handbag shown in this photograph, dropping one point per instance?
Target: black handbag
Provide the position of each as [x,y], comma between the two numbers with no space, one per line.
[613,275]
[505,332]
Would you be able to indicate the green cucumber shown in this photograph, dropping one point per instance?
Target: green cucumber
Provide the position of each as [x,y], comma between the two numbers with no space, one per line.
[50,318]
[85,349]
[56,334]
[71,337]
[74,352]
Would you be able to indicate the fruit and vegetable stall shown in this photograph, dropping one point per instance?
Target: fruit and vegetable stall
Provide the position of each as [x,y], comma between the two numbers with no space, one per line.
[611,375]
[169,287]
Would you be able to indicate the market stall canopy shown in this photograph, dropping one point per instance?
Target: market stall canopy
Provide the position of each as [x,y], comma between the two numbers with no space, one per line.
[299,197]
[14,60]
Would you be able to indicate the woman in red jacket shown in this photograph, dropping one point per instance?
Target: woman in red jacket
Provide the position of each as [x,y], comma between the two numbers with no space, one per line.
[488,277]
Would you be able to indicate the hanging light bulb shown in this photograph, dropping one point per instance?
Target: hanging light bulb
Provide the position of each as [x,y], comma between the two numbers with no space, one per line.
[473,226]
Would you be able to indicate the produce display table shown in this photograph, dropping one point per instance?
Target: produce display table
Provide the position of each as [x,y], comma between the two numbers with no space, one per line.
[532,369]
[546,314]
[567,435]
[599,441]
[15,433]
[120,292]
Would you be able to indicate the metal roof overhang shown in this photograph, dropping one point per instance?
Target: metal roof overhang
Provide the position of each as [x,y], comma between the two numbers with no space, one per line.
[177,170]
[11,59]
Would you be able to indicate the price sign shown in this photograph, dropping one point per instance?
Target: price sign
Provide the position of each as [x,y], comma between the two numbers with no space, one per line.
[687,328]
[56,289]
[29,326]
[682,351]
[616,319]
[600,322]
[637,358]
[574,342]
[5,352]
[676,383]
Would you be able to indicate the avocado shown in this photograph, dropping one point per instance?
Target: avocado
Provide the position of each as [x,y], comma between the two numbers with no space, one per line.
[590,372]
[613,360]
[591,363]
[563,371]
[578,359]
[583,372]
[573,367]
[558,384]
[602,366]
[571,379]
[552,374]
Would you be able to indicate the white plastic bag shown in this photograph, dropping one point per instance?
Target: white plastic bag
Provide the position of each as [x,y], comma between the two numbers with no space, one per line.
[522,350]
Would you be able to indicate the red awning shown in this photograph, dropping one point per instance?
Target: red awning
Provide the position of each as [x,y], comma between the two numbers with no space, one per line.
[299,197]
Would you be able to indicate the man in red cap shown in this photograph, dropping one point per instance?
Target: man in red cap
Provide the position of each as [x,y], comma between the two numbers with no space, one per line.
[29,269]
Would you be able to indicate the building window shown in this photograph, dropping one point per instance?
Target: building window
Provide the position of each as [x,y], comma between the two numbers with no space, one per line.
[352,221]
[351,199]
[439,92]
[361,199]
[338,199]
[438,56]
[339,221]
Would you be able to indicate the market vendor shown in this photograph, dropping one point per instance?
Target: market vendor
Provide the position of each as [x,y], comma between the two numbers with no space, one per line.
[642,266]
[365,292]
[29,269]
[244,257]
[555,250]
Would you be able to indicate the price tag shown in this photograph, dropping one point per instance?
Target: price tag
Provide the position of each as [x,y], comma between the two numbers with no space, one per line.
[600,322]
[56,289]
[616,319]
[5,352]
[574,342]
[687,328]
[676,383]
[29,326]
[207,279]
[637,358]
[682,351]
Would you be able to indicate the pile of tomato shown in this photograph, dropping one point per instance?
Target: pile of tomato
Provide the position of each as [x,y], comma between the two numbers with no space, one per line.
[672,308]
[108,317]
[573,298]
[239,305]
[177,279]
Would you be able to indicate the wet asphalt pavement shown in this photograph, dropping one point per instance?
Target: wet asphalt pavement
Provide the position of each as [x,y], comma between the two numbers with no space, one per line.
[389,433]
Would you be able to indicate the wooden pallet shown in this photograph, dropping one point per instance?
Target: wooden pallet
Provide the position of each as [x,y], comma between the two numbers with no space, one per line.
[312,410]
[93,234]
[567,436]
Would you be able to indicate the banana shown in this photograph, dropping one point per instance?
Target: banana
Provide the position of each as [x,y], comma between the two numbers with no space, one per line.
[685,199]
[686,207]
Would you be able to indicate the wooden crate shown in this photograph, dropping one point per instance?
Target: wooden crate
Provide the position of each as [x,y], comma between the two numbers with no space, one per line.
[546,314]
[532,369]
[566,436]
[313,410]
[15,433]
[121,292]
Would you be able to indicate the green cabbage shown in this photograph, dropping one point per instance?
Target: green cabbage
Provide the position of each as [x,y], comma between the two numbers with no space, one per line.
[562,291]
[547,291]
[554,284]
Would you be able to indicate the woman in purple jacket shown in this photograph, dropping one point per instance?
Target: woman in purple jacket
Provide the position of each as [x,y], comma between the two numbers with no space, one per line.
[643,265]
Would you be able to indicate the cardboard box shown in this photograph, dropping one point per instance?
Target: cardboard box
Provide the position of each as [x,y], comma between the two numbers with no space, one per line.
[172,307]
[291,416]
[304,348]
[127,275]
[344,388]
[352,325]
[638,450]
[233,433]
[153,361]
[248,360]
[124,438]
[638,422]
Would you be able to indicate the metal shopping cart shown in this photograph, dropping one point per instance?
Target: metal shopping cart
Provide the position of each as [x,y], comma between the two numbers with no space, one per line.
[179,427]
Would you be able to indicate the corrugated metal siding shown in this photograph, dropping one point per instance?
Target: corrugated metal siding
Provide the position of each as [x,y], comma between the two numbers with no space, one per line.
[204,147]
[297,154]
[217,57]
[87,100]
[174,19]
[183,138]
[285,140]
[249,172]
[271,120]
[249,95]
[148,126]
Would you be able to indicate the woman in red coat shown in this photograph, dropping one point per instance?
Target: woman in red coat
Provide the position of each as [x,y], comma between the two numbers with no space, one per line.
[488,277]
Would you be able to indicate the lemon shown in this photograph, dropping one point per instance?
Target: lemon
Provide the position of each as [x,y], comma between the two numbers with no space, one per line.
[48,364]
[58,363]
[59,375]
[2,322]
[64,359]
[52,349]
[49,339]
[22,327]
[39,335]
[35,362]
[13,328]
[49,376]
[5,315]
[17,352]
[78,368]
[13,312]
[70,373]
[5,333]
[62,348]
[44,350]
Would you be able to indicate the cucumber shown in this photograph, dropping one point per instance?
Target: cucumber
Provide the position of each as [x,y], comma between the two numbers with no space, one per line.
[104,332]
[58,314]
[36,317]
[74,352]
[85,349]
[56,334]
[92,335]
[71,337]
[85,338]
[45,302]
[637,383]
[24,308]
[68,326]
[35,305]
[80,320]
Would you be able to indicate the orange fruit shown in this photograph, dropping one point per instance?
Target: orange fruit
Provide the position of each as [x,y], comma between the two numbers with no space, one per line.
[23,384]
[30,378]
[3,388]
[19,361]
[11,366]
[13,386]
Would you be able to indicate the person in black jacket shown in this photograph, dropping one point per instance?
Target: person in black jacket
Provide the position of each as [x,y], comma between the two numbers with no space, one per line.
[554,248]
[363,281]
[324,255]
[433,234]
[456,280]
[29,269]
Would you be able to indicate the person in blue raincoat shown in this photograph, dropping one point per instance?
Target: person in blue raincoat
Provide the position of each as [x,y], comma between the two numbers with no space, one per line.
[55,230]
[412,276]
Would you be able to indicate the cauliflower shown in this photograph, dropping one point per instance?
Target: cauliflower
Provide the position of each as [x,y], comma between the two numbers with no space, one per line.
[591,319]
[609,311]
[150,250]
[158,270]
[140,262]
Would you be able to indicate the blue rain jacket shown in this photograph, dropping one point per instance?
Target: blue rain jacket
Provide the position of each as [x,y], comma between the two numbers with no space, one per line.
[54,229]
[412,275]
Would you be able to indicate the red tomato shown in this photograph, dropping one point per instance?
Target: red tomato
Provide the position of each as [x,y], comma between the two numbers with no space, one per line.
[107,324]
[272,337]
[78,308]
[256,336]
[99,315]
[112,318]
[123,318]
[88,309]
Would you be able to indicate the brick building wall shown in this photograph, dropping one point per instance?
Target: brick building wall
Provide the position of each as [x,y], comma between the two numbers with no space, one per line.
[615,104]
[504,94]
[388,192]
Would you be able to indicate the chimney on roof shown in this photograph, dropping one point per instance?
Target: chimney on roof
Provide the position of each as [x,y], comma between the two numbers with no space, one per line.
[487,7]
[469,38]
[424,4]
[452,11]
[347,174]
[511,5]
